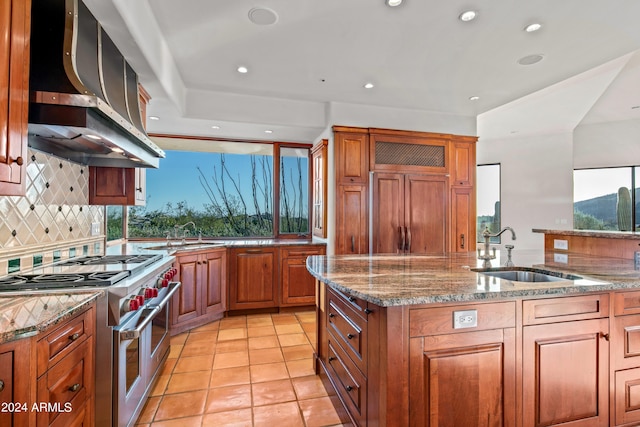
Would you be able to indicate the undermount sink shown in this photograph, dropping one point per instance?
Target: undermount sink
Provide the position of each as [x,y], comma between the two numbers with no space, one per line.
[188,245]
[527,275]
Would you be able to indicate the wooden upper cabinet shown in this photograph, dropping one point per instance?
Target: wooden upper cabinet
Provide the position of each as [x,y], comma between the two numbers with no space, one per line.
[117,186]
[463,161]
[351,155]
[403,151]
[15,22]
[463,219]
[319,189]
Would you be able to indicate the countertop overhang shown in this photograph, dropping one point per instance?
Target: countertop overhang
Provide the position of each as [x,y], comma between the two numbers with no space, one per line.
[395,280]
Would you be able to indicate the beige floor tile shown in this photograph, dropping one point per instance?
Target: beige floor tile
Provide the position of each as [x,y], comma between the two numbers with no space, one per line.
[272,392]
[237,418]
[292,339]
[307,316]
[309,328]
[181,405]
[264,342]
[280,415]
[229,346]
[268,372]
[260,331]
[300,368]
[160,386]
[231,359]
[232,334]
[189,381]
[180,422]
[207,336]
[149,410]
[175,350]
[319,412]
[308,387]
[233,322]
[195,363]
[213,326]
[293,328]
[265,355]
[296,352]
[259,320]
[230,376]
[284,319]
[199,348]
[167,369]
[228,398]
[179,339]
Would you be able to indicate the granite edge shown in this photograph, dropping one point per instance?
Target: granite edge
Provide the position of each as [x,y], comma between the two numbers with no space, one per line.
[622,235]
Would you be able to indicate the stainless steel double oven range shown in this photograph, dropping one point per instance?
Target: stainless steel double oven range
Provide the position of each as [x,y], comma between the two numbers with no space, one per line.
[132,328]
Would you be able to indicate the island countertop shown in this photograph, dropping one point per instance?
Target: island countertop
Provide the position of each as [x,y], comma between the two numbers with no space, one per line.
[394,280]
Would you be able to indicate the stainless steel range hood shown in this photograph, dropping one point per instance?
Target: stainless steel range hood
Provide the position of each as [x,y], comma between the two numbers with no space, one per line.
[84,99]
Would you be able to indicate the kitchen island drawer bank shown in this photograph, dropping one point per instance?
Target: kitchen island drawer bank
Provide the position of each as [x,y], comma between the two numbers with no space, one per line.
[434,341]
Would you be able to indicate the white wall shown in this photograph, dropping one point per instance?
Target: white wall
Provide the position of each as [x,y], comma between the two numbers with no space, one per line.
[536,183]
[607,144]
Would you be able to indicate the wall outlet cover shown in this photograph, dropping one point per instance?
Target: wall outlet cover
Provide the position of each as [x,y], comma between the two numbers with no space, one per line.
[561,258]
[95,228]
[561,244]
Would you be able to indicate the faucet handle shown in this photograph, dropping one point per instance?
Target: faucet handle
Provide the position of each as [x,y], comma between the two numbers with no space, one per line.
[509,246]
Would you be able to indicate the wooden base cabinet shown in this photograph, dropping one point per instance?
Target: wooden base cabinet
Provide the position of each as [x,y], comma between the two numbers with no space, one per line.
[298,285]
[253,278]
[202,296]
[16,379]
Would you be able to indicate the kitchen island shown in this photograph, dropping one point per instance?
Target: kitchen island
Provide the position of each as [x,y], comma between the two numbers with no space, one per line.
[428,341]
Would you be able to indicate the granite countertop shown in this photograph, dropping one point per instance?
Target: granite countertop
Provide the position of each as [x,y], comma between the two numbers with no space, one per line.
[159,246]
[609,234]
[394,280]
[26,315]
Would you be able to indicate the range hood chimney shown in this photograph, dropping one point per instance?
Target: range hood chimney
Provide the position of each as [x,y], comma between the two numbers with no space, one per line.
[84,99]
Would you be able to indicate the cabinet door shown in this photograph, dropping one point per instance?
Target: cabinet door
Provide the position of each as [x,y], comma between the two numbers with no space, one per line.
[185,304]
[566,374]
[425,214]
[140,190]
[463,219]
[214,269]
[15,24]
[253,279]
[351,158]
[388,228]
[464,379]
[15,380]
[463,163]
[319,164]
[298,285]
[351,220]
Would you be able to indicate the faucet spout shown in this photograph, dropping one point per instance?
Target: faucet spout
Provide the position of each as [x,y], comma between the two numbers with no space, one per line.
[487,257]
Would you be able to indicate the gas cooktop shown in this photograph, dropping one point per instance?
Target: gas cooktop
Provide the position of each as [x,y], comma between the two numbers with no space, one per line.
[111,259]
[31,282]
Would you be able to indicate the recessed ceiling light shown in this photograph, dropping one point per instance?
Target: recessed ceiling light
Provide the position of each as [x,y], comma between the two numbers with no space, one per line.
[154,118]
[263,16]
[117,150]
[215,127]
[242,69]
[467,16]
[474,98]
[135,159]
[268,131]
[530,59]
[95,137]
[393,3]
[532,27]
[368,85]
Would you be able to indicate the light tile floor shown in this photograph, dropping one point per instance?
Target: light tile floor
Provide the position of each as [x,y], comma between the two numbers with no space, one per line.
[254,370]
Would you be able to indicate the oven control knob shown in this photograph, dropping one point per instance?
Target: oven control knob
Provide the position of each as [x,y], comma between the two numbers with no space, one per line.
[165,283]
[131,305]
[140,299]
[150,293]
[174,271]
[167,275]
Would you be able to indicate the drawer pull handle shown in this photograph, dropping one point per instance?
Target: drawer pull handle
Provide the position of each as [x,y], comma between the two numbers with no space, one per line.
[350,336]
[605,336]
[348,388]
[367,311]
[331,359]
[74,336]
[1,385]
[74,387]
[331,315]
[352,299]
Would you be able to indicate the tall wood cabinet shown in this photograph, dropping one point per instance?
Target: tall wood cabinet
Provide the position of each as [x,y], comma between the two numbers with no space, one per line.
[413,191]
[15,23]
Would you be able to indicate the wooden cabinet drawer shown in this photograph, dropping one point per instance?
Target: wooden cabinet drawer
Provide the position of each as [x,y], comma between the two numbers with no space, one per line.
[567,309]
[359,306]
[349,331]
[626,342]
[626,303]
[64,339]
[69,383]
[349,382]
[627,397]
[440,320]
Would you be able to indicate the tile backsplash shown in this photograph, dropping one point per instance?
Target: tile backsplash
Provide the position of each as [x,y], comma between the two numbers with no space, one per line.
[53,216]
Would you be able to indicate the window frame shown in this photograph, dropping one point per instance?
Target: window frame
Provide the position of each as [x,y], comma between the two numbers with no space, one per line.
[497,239]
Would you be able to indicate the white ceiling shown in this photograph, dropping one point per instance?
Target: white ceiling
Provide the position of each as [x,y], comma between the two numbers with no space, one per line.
[418,55]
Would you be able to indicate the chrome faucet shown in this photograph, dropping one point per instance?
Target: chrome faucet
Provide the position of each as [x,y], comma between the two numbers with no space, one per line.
[184,231]
[487,257]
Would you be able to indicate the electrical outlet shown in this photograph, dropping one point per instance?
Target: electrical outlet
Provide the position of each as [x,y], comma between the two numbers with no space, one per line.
[95,228]
[562,258]
[561,244]
[465,319]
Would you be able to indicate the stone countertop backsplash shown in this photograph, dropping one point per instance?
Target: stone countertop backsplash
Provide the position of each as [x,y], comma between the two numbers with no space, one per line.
[25,315]
[394,280]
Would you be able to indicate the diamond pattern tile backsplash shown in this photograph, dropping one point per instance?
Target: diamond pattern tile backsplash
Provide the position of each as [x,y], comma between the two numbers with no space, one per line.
[54,215]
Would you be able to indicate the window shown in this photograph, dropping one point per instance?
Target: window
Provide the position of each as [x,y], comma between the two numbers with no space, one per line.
[488,200]
[603,199]
[115,222]
[234,189]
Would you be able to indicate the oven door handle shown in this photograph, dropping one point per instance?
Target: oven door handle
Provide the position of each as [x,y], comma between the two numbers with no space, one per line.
[149,314]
